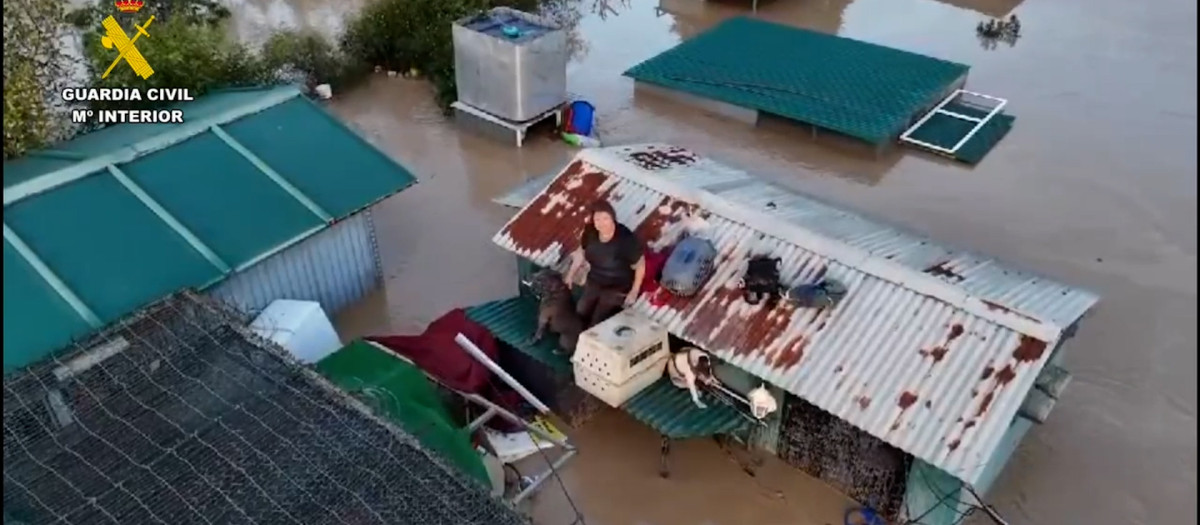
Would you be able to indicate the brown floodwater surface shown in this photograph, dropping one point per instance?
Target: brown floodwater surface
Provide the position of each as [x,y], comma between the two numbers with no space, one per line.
[1095,186]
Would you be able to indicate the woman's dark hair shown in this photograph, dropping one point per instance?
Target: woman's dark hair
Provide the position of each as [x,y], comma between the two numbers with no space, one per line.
[704,365]
[602,206]
[598,206]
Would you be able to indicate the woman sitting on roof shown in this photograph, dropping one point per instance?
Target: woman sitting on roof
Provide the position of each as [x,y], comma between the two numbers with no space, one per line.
[616,265]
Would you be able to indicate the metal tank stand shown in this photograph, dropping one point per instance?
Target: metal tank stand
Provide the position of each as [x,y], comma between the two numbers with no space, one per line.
[484,123]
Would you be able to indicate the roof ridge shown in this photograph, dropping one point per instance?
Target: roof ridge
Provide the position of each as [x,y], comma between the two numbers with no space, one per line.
[48,181]
[825,246]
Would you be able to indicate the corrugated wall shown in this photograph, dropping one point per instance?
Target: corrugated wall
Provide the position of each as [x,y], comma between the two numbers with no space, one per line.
[335,267]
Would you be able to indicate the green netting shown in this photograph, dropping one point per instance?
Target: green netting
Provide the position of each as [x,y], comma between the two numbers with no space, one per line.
[860,89]
[945,131]
[36,316]
[216,193]
[107,246]
[316,154]
[400,392]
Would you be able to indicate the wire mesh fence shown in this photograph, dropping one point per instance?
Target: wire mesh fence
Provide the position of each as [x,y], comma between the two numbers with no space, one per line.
[856,463]
[178,416]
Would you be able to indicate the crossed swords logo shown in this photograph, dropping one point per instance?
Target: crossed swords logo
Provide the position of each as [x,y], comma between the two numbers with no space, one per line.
[116,37]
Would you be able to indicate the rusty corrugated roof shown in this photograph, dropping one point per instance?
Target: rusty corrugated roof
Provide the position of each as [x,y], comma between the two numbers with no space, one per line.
[932,350]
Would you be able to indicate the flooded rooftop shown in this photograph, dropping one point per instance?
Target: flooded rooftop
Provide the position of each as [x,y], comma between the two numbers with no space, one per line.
[1094,186]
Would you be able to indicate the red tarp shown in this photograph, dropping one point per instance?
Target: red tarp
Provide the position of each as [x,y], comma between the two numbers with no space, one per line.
[436,353]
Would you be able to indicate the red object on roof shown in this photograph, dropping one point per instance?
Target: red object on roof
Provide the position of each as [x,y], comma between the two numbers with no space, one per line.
[435,351]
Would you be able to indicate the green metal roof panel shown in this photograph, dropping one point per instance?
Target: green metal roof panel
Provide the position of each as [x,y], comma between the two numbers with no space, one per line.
[106,140]
[37,317]
[513,322]
[864,90]
[945,131]
[108,247]
[400,392]
[217,193]
[324,159]
[670,410]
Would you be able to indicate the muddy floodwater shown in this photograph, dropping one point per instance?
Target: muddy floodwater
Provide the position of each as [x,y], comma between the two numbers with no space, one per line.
[1095,186]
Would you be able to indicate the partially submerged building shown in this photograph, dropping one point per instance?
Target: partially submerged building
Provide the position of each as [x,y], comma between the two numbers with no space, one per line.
[180,415]
[259,195]
[920,382]
[746,69]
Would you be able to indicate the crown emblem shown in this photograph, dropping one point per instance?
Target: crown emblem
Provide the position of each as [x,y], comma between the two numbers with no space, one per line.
[129,6]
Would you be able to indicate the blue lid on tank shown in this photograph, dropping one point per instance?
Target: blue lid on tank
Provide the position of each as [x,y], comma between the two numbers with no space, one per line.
[506,26]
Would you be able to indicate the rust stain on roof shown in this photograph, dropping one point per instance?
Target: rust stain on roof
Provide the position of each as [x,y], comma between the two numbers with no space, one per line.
[864,402]
[668,212]
[938,353]
[791,353]
[1005,376]
[906,400]
[559,213]
[725,321]
[992,305]
[1029,349]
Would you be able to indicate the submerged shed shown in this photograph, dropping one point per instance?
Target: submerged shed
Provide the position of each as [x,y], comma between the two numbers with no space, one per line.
[945,355]
[258,195]
[744,68]
[179,415]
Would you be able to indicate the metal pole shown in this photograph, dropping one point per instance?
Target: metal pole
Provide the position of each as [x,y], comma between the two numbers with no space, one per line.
[478,354]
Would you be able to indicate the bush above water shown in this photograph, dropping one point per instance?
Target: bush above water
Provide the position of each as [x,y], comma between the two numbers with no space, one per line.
[400,35]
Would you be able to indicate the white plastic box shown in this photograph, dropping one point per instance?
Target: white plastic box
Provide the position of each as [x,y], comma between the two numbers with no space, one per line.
[300,327]
[620,357]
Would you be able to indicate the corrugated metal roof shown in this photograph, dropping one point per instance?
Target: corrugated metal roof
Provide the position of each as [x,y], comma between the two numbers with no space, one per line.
[513,321]
[856,88]
[933,349]
[132,212]
[670,411]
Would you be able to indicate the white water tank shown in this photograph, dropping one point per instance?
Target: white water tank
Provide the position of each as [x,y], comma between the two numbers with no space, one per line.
[300,327]
[620,357]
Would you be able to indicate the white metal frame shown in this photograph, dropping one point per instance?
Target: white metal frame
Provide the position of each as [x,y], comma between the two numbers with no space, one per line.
[940,108]
[519,129]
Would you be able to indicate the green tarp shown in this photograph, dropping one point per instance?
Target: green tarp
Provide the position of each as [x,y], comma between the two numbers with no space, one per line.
[401,393]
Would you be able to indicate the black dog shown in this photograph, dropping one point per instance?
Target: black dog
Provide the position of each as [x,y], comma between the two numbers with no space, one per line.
[761,281]
[556,310]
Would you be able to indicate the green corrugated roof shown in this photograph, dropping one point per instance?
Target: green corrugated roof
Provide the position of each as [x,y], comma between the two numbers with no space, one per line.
[670,411]
[513,322]
[662,406]
[130,213]
[860,89]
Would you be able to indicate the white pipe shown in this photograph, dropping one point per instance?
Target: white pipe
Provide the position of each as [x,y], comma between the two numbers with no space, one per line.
[478,354]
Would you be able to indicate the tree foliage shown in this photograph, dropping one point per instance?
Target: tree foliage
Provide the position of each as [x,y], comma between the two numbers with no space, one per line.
[190,49]
[36,68]
[187,50]
[402,35]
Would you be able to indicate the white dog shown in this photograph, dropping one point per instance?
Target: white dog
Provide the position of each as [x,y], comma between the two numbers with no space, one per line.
[689,366]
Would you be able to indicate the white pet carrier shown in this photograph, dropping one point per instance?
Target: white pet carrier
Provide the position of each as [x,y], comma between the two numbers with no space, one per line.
[620,357]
